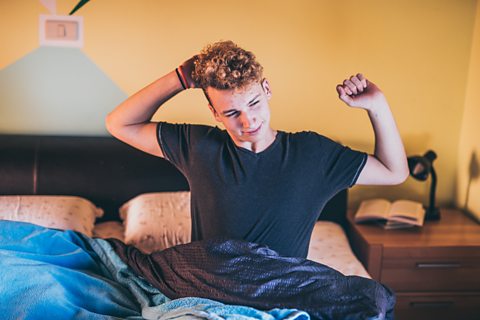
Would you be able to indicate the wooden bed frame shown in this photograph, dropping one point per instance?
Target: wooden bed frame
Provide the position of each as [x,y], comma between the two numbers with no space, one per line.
[100,169]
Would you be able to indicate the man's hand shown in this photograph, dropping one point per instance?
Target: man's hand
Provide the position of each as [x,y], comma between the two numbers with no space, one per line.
[360,93]
[186,70]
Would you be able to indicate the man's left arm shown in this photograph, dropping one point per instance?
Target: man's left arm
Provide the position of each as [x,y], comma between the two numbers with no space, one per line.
[388,165]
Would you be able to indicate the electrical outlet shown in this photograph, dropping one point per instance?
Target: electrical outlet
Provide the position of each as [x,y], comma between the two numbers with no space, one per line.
[63,31]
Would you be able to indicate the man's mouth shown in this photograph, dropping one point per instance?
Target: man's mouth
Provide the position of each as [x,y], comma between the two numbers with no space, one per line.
[253,132]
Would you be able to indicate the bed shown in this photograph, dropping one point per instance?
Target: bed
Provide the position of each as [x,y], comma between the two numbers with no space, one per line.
[130,256]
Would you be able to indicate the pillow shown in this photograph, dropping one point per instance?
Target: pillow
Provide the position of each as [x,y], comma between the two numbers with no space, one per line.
[156,221]
[109,229]
[58,212]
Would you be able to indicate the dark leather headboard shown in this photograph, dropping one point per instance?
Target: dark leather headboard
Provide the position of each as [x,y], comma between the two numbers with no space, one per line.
[101,169]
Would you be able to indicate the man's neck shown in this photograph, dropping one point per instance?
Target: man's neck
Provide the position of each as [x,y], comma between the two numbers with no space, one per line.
[258,146]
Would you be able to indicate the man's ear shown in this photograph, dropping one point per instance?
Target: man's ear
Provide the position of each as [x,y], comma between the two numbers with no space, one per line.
[214,112]
[266,88]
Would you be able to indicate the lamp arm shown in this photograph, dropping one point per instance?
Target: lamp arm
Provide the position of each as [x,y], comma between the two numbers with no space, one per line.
[433,187]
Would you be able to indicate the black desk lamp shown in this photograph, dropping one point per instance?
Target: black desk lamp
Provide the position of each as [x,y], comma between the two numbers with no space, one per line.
[420,168]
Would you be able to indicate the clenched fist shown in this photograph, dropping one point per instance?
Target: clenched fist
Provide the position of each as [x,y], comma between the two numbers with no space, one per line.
[360,93]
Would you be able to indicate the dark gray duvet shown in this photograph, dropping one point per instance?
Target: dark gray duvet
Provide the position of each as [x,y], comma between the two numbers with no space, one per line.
[239,272]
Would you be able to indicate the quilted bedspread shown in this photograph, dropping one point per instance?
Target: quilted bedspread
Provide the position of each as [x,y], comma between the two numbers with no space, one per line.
[240,272]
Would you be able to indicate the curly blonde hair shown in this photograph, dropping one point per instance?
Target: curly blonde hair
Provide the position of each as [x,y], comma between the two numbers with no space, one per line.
[224,65]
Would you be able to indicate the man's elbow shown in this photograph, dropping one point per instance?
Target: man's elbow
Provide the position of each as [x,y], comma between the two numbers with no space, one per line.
[400,176]
[110,124]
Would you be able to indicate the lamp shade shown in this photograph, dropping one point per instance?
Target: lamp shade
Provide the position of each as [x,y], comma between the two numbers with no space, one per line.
[420,167]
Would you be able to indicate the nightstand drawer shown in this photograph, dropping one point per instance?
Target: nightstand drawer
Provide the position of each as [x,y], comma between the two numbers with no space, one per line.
[439,306]
[432,270]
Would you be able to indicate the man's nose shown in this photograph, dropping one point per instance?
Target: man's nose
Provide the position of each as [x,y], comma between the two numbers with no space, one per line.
[247,119]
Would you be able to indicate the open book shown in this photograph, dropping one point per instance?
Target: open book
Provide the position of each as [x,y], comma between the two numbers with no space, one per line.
[392,215]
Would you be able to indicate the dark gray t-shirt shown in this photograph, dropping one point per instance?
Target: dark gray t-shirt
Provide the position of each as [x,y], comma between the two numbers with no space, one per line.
[273,197]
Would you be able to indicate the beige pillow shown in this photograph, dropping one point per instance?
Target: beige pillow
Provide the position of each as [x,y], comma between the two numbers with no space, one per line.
[58,212]
[156,221]
[109,229]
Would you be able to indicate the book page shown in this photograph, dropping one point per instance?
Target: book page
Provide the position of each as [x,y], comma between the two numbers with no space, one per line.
[406,208]
[372,209]
[407,211]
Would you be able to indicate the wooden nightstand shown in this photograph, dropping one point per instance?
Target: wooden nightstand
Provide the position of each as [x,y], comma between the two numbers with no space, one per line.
[434,270]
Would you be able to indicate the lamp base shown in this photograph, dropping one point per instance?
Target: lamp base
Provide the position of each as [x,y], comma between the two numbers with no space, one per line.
[432,214]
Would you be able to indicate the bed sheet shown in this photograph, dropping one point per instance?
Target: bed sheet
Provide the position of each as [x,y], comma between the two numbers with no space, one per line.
[329,245]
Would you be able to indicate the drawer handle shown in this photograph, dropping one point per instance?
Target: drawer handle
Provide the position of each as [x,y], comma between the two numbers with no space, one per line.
[433,304]
[437,265]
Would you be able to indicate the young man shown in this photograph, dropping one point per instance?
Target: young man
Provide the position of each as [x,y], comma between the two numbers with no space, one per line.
[251,181]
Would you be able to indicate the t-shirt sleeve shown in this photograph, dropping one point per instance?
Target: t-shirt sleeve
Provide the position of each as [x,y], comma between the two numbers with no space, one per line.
[177,142]
[341,164]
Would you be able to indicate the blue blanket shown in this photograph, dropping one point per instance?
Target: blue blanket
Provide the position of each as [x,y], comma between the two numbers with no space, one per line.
[51,274]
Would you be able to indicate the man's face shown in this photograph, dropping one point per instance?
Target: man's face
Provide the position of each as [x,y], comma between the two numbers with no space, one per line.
[244,113]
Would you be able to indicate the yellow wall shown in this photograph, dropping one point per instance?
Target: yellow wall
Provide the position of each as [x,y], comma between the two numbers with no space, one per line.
[416,51]
[468,195]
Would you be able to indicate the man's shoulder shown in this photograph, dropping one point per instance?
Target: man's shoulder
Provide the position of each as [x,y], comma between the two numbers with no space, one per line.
[310,141]
[187,125]
[184,141]
[306,136]
[190,128]
[199,135]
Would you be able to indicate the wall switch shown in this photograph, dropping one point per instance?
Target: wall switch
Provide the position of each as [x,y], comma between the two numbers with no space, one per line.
[63,31]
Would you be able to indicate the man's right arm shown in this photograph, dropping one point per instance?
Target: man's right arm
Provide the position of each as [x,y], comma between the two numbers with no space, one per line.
[131,122]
